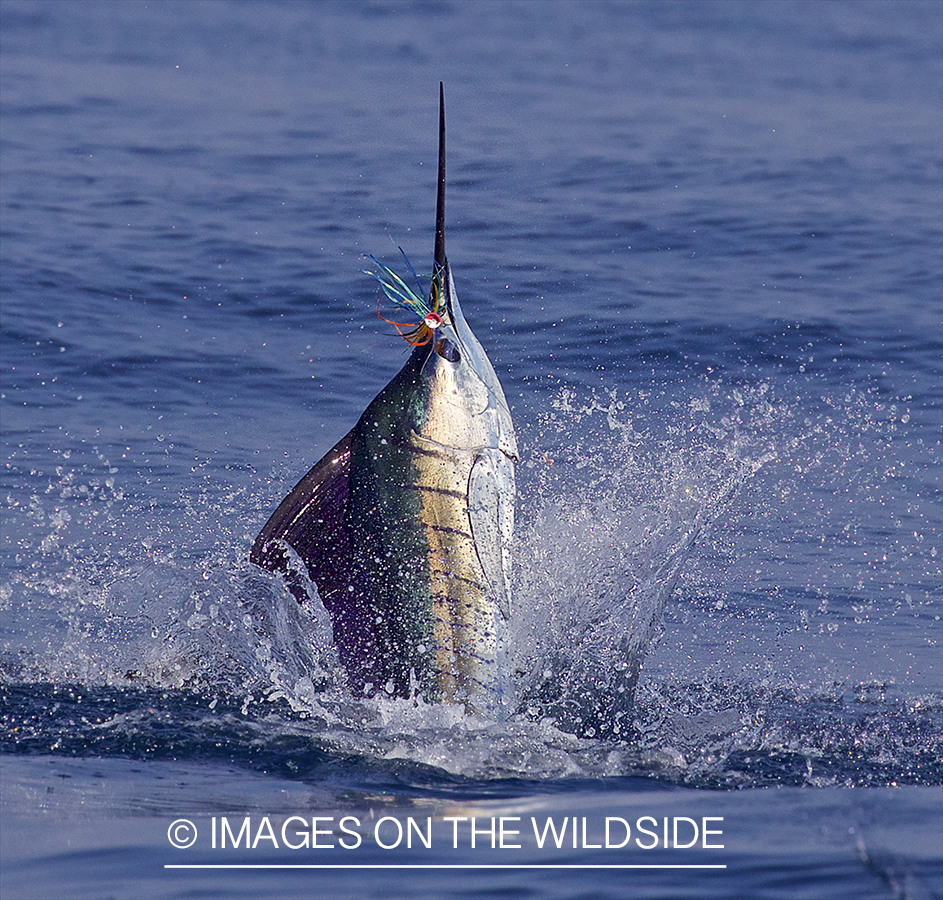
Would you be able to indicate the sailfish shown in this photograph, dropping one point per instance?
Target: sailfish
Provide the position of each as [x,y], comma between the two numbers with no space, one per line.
[405,526]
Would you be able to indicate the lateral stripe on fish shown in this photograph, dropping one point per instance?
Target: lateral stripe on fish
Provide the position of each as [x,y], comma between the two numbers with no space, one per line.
[444,492]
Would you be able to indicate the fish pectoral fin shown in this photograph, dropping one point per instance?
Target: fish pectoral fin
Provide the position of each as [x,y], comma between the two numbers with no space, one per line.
[491,512]
[312,521]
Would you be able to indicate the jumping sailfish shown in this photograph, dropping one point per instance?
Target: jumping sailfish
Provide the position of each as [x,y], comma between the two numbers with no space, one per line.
[405,526]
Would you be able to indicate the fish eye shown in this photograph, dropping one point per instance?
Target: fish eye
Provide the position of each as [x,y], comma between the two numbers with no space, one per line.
[447,350]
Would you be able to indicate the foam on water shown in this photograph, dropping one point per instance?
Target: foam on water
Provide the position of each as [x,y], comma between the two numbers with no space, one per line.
[154,598]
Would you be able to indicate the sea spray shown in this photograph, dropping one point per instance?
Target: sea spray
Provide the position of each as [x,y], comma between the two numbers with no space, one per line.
[152,619]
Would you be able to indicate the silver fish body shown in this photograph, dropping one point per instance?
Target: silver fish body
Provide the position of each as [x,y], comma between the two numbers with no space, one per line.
[406,525]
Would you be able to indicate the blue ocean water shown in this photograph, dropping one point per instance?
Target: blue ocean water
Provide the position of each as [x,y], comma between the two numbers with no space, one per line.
[702,243]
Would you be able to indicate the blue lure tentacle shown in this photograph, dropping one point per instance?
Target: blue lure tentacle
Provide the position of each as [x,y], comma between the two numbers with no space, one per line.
[412,271]
[399,293]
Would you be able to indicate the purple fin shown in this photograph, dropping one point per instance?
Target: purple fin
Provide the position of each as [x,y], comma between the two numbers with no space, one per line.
[312,520]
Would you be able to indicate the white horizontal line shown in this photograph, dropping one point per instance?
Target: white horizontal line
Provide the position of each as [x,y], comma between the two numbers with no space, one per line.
[436,866]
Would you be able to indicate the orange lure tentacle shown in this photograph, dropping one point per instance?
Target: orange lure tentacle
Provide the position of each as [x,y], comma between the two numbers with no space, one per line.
[401,294]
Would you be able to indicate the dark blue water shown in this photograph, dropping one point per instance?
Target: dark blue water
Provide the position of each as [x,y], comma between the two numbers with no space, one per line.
[703,246]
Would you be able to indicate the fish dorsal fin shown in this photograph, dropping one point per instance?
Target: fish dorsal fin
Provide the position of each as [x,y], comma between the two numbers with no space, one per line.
[312,521]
